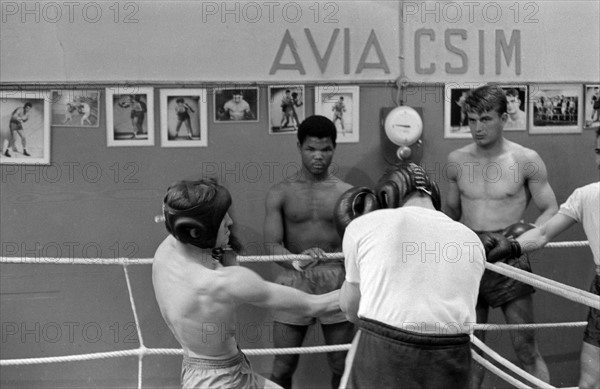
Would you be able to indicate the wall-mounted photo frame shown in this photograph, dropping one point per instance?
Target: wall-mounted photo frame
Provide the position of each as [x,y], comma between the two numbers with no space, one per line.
[235,105]
[183,118]
[341,105]
[24,129]
[516,107]
[286,108]
[556,109]
[456,125]
[592,106]
[130,117]
[75,108]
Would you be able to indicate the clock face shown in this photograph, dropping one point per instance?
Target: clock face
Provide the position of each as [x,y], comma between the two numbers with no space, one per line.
[403,126]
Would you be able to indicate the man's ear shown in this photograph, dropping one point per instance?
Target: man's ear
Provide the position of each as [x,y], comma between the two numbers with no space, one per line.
[504,117]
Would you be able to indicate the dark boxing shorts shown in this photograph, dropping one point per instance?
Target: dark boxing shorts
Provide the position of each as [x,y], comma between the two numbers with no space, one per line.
[15,125]
[496,290]
[389,357]
[320,279]
[592,331]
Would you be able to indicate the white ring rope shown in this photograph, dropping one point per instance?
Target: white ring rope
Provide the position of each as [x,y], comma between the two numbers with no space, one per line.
[137,326]
[241,258]
[509,365]
[494,369]
[566,291]
[562,245]
[527,326]
[141,351]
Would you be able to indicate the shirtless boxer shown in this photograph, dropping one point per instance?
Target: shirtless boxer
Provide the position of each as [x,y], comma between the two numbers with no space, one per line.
[491,184]
[17,118]
[338,112]
[299,219]
[85,111]
[197,295]
[182,109]
[517,118]
[237,108]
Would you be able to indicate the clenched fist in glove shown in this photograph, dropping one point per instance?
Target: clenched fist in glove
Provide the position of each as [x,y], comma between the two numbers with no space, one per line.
[353,203]
[499,247]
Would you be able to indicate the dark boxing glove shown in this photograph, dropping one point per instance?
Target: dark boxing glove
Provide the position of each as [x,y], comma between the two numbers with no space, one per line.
[499,247]
[353,203]
[515,230]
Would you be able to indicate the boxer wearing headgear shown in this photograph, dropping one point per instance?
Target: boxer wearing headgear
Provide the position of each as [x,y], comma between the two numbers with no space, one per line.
[194,211]
[397,185]
[413,298]
[393,190]
[198,296]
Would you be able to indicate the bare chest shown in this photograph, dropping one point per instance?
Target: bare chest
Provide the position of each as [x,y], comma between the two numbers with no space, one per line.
[310,204]
[492,181]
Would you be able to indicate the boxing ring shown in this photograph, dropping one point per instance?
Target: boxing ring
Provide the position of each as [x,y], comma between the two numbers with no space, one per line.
[548,285]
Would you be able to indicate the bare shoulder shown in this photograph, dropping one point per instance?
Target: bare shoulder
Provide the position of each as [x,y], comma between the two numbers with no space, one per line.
[277,192]
[462,154]
[232,283]
[164,250]
[521,153]
[340,185]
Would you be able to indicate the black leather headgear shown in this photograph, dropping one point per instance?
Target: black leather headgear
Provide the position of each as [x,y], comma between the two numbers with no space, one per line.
[396,185]
[205,217]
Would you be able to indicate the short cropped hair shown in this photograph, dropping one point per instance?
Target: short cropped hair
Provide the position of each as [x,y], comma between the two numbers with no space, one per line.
[317,126]
[512,92]
[486,98]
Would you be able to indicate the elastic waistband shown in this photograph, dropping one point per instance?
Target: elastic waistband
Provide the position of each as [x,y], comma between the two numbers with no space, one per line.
[203,363]
[424,339]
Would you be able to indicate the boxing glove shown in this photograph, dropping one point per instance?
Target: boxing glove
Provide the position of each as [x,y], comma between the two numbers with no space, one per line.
[498,247]
[515,230]
[396,186]
[353,203]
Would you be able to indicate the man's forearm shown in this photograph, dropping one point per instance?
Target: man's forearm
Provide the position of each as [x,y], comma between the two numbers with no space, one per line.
[326,303]
[546,215]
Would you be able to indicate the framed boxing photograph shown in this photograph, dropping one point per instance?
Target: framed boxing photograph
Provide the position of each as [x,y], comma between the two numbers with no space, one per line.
[75,108]
[235,105]
[556,108]
[516,107]
[286,108]
[183,118]
[592,106]
[456,125]
[340,103]
[24,128]
[129,116]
